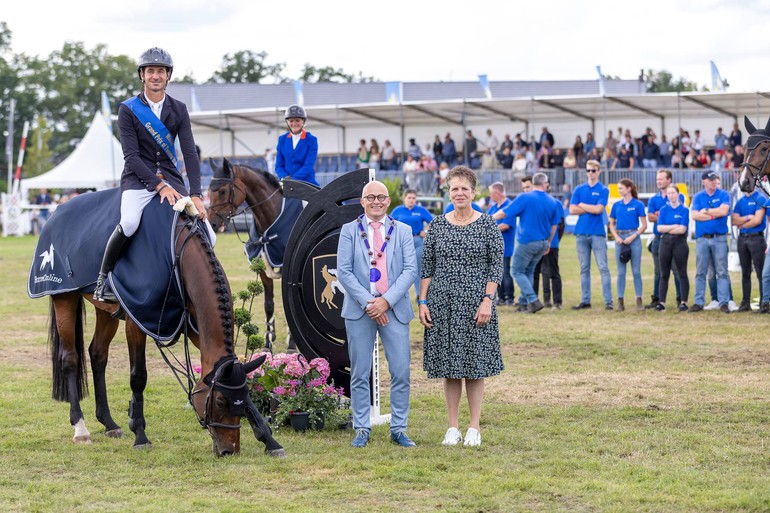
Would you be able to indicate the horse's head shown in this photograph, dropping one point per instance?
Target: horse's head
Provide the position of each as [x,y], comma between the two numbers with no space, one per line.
[225,194]
[757,156]
[220,400]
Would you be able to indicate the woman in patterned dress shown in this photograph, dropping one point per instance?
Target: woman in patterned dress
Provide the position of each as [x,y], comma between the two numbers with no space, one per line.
[462,266]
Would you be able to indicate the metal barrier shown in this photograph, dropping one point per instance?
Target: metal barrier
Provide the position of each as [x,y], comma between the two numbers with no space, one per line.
[644,178]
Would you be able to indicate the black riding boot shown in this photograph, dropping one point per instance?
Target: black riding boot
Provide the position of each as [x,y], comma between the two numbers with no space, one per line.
[111,254]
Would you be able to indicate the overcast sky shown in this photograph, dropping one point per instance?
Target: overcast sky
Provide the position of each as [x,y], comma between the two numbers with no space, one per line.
[415,41]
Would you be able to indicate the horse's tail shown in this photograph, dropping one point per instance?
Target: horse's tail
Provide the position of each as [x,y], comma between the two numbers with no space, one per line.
[59,388]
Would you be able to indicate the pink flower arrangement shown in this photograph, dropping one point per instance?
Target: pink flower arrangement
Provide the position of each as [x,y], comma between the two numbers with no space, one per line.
[297,385]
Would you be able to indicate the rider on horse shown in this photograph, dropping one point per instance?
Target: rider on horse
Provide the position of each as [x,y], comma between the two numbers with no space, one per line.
[149,123]
[297,149]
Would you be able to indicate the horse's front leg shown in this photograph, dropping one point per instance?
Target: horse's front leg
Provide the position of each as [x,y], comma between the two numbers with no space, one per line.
[270,333]
[105,330]
[262,431]
[136,353]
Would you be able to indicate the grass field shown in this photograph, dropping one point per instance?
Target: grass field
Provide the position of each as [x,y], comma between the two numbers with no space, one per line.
[596,411]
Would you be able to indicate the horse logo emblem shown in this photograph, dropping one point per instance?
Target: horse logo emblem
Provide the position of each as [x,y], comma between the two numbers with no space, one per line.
[47,258]
[331,288]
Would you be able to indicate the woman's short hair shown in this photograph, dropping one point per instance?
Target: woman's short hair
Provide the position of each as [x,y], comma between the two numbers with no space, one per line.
[462,172]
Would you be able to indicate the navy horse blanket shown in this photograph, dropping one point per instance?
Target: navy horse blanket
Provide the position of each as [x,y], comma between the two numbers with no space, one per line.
[70,249]
[273,241]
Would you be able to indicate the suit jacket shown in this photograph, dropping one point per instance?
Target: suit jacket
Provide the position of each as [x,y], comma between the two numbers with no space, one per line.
[144,157]
[353,265]
[297,163]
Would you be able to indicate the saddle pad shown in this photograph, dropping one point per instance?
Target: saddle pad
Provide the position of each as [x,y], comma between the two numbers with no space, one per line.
[70,249]
[276,237]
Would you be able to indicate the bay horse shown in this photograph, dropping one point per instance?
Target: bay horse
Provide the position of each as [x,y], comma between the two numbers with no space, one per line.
[232,186]
[757,157]
[219,399]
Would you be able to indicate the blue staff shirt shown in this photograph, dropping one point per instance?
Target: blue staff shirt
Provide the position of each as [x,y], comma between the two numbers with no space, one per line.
[748,206]
[716,226]
[656,203]
[537,213]
[591,224]
[627,216]
[415,218]
[678,215]
[509,235]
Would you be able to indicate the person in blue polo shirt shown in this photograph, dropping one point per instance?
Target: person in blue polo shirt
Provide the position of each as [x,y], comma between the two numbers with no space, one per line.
[663,181]
[627,224]
[507,226]
[710,208]
[589,202]
[416,217]
[749,217]
[538,220]
[673,221]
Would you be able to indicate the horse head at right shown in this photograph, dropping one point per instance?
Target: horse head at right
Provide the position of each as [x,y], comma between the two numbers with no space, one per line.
[757,156]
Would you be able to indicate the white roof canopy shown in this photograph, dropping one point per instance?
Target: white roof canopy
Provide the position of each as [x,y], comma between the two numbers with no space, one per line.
[96,162]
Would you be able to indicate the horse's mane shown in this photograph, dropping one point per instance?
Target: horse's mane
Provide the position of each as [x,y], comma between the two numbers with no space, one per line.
[222,292]
[269,177]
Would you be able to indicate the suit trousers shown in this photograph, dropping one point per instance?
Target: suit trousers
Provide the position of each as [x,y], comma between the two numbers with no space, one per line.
[395,341]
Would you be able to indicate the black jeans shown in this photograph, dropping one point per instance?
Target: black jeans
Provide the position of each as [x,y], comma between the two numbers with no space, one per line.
[751,248]
[506,289]
[548,266]
[655,249]
[674,251]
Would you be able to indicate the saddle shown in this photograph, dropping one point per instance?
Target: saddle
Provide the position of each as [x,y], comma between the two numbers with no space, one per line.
[69,253]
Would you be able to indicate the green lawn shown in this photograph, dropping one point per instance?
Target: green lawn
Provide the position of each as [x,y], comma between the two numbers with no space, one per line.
[596,411]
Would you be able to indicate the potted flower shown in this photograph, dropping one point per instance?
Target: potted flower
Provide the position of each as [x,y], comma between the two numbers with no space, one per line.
[297,391]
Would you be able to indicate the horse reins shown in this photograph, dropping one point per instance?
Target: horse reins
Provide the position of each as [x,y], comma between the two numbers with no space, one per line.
[185,369]
[231,200]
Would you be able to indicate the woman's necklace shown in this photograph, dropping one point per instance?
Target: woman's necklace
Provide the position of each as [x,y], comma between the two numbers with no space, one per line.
[463,220]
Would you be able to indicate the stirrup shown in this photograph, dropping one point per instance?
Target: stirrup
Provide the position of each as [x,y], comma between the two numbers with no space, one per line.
[100,294]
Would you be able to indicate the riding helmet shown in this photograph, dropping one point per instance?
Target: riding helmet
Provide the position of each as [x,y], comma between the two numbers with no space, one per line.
[295,111]
[155,57]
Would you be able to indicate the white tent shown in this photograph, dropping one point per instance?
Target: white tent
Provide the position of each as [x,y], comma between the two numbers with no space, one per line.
[96,162]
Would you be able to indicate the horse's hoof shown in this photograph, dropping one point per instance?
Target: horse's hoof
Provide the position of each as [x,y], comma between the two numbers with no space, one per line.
[276,453]
[82,439]
[146,446]
[115,433]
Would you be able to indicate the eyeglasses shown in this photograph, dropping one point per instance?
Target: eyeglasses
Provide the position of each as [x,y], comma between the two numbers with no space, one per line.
[379,197]
[592,170]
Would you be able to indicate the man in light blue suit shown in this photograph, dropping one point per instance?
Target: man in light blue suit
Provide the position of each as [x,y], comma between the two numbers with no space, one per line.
[376,265]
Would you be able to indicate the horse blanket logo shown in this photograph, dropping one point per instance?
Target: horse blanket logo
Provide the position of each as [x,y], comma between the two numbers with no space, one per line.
[47,257]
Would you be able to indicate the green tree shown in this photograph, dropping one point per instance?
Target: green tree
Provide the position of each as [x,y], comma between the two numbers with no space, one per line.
[663,82]
[69,83]
[39,157]
[248,67]
[311,74]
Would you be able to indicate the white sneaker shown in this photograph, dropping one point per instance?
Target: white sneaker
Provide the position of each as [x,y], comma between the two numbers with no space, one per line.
[452,437]
[732,306]
[714,305]
[472,438]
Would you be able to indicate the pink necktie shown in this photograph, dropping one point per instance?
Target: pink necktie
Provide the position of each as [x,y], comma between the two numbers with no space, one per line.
[380,258]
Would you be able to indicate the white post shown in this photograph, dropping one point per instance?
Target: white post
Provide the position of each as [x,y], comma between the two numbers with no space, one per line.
[375,417]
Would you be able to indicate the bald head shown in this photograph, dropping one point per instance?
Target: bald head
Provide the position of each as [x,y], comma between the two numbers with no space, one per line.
[374,187]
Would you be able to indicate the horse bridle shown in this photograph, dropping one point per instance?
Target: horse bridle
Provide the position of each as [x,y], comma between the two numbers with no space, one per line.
[216,384]
[232,186]
[760,171]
